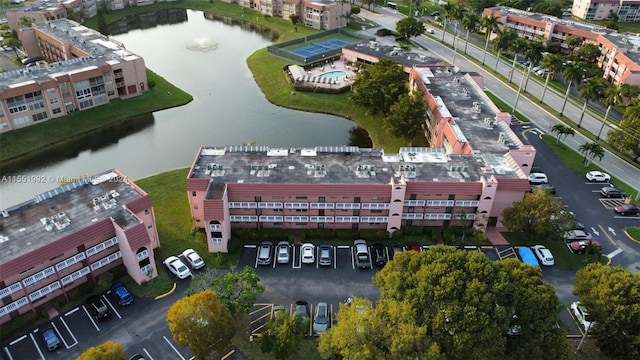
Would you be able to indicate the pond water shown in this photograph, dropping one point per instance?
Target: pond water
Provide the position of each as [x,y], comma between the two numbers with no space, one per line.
[206,56]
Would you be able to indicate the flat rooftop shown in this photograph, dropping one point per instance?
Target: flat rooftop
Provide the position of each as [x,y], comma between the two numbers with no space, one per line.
[459,96]
[407,58]
[62,211]
[100,48]
[339,165]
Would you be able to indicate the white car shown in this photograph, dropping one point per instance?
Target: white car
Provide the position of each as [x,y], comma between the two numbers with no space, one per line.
[538,178]
[193,259]
[575,235]
[177,267]
[308,253]
[598,176]
[543,254]
[283,251]
[582,315]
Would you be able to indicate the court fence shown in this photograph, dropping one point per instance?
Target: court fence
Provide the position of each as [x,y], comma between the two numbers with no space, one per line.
[280,51]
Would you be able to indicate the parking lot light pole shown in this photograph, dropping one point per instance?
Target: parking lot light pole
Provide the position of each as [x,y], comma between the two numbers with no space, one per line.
[584,337]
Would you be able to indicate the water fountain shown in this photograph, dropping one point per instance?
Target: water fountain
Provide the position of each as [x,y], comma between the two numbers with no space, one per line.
[202,45]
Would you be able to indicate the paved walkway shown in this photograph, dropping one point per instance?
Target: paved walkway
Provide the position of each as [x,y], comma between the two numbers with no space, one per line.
[495,236]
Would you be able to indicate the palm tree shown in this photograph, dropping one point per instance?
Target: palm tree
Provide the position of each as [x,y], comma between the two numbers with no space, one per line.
[456,13]
[572,73]
[612,96]
[446,8]
[517,46]
[490,24]
[470,21]
[553,64]
[632,112]
[562,132]
[592,90]
[504,37]
[533,53]
[591,151]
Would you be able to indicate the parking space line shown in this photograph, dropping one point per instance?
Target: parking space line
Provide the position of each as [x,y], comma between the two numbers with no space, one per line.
[71,311]
[147,353]
[293,259]
[17,340]
[35,343]
[91,318]
[614,253]
[70,333]
[111,306]
[8,353]
[173,347]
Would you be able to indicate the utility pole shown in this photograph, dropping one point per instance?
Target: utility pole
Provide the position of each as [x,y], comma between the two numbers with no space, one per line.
[584,337]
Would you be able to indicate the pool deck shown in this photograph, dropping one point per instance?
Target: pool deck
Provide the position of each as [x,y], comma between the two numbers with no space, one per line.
[328,66]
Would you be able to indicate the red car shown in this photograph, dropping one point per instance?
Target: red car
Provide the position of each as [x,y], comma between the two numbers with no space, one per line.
[579,247]
[627,209]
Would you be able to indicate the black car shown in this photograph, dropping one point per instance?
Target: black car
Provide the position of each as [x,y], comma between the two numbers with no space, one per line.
[302,308]
[611,192]
[379,254]
[98,308]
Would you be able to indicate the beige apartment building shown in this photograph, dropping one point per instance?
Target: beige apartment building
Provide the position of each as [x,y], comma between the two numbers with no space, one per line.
[83,69]
[624,10]
[620,53]
[317,14]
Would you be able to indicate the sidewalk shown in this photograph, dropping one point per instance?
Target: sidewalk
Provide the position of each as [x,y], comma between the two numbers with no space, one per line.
[494,235]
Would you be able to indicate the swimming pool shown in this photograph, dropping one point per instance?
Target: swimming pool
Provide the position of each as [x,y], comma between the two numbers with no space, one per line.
[334,75]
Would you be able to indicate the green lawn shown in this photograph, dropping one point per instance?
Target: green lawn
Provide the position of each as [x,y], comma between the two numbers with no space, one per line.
[634,232]
[564,259]
[35,139]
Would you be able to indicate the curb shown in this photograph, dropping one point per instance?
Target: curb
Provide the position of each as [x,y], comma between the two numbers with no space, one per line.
[167,293]
[630,237]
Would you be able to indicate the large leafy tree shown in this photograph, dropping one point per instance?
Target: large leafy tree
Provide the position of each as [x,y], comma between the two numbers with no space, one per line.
[538,213]
[547,7]
[535,333]
[454,294]
[588,52]
[406,117]
[106,351]
[237,290]
[201,322]
[409,27]
[626,138]
[379,86]
[388,331]
[611,295]
[283,335]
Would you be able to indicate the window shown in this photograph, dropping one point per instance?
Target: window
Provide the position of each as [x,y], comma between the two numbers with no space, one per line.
[195,206]
[53,100]
[193,193]
[56,111]
[149,226]
[146,211]
[39,116]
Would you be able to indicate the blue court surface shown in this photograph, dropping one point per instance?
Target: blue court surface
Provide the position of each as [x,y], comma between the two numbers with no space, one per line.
[317,48]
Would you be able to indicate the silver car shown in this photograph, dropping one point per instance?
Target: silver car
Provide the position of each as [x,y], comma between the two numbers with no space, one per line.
[321,318]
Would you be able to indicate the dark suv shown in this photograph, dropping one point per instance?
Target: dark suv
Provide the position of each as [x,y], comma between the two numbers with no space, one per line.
[379,254]
[611,192]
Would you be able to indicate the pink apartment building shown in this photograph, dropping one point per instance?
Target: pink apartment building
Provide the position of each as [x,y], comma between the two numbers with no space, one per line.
[620,54]
[84,69]
[476,168]
[71,235]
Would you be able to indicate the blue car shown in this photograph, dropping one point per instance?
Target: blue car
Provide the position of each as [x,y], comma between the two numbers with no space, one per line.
[123,296]
[527,256]
[51,338]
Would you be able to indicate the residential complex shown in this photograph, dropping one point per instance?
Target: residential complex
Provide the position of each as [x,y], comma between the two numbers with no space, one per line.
[476,169]
[316,14]
[83,69]
[71,235]
[622,10]
[619,57]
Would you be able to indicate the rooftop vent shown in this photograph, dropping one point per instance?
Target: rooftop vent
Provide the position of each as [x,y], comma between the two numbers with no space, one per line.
[59,221]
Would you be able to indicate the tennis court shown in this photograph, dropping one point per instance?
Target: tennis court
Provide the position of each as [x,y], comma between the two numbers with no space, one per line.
[317,48]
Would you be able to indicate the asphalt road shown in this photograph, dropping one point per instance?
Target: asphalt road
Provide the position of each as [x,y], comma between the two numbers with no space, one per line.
[538,116]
